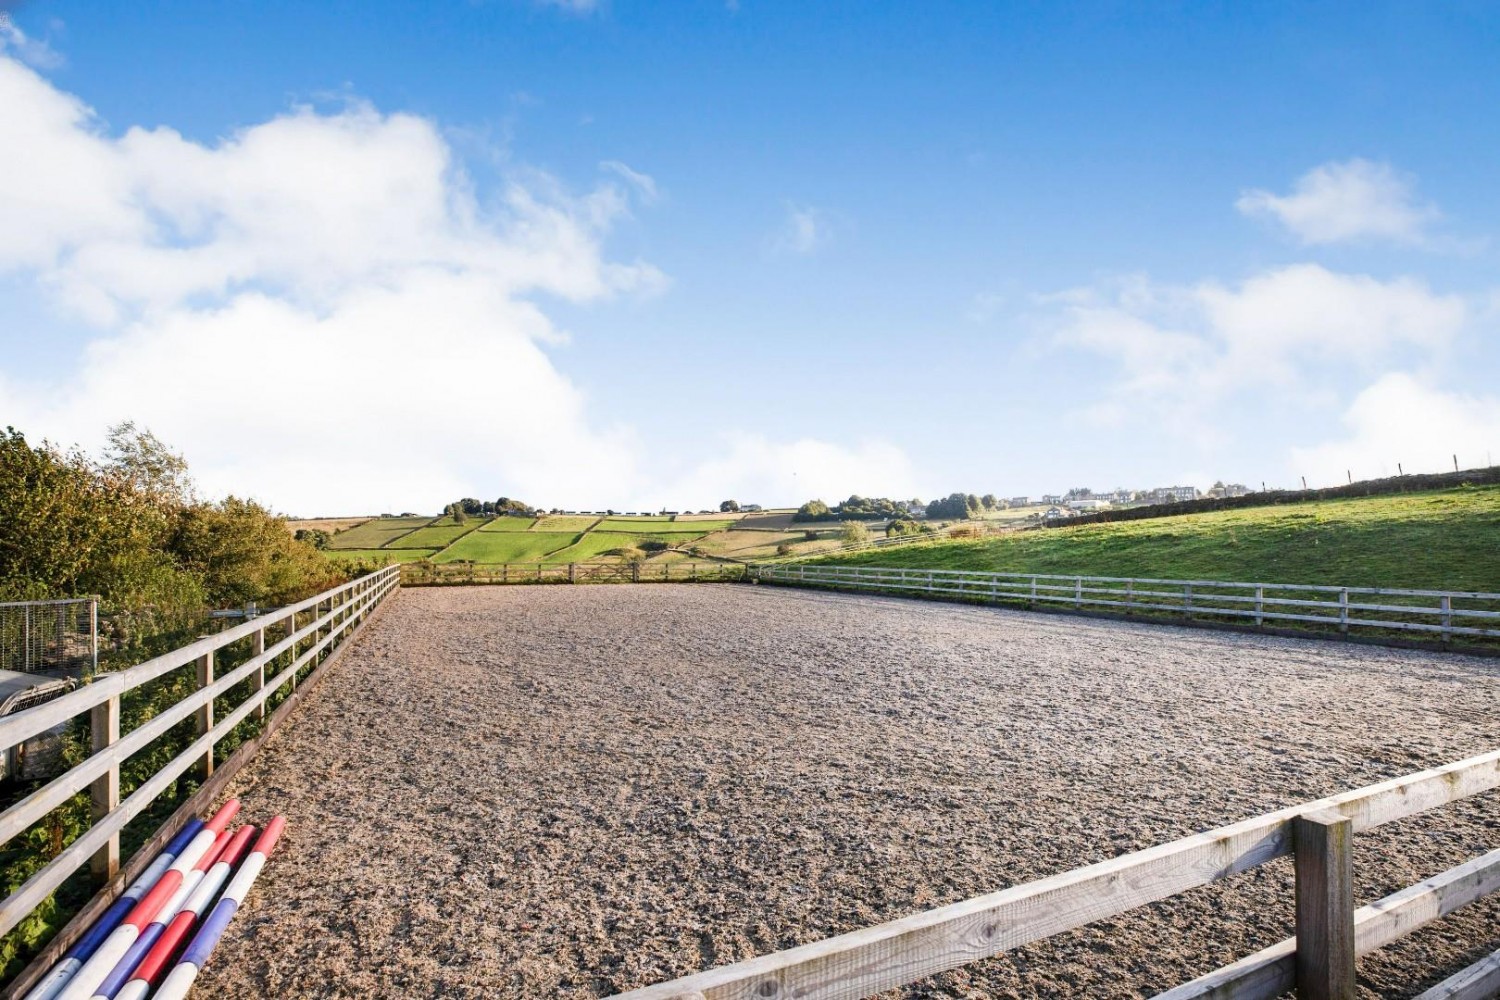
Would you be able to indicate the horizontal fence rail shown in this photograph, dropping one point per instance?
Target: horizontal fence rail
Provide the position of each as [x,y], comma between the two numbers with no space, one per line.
[682,571]
[1445,615]
[308,631]
[904,951]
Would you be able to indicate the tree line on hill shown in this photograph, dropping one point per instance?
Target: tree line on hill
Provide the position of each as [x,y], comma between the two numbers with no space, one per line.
[489,508]
[953,507]
[130,528]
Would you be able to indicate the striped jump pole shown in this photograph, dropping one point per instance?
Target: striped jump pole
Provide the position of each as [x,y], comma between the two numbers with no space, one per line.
[85,946]
[180,979]
[149,972]
[103,961]
[120,974]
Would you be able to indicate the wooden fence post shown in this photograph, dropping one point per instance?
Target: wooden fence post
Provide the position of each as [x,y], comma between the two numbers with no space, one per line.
[1032,602]
[1344,610]
[258,681]
[1446,603]
[572,572]
[1323,850]
[1130,597]
[1078,592]
[291,630]
[104,792]
[1187,600]
[635,572]
[1260,602]
[205,719]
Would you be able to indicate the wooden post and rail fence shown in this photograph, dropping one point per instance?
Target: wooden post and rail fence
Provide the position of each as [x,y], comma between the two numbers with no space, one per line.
[678,571]
[1318,962]
[1382,612]
[287,647]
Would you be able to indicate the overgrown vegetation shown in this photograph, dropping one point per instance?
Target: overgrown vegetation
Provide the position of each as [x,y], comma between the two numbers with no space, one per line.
[129,528]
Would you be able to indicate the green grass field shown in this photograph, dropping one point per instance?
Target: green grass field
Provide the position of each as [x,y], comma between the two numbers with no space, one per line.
[639,525]
[508,524]
[442,532]
[595,544]
[562,522]
[507,546]
[1444,540]
[377,532]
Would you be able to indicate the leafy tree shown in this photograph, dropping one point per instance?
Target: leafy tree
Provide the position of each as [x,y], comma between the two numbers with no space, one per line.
[854,533]
[813,509]
[316,537]
[729,507]
[989,501]
[140,461]
[954,507]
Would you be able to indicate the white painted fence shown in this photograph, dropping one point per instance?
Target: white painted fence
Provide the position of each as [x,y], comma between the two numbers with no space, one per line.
[1442,614]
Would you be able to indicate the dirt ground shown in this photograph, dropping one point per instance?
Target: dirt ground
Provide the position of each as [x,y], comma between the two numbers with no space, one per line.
[573,791]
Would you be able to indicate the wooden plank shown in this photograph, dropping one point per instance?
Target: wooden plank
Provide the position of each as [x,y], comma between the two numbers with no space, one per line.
[204,716]
[1270,972]
[1480,981]
[104,793]
[1323,848]
[902,951]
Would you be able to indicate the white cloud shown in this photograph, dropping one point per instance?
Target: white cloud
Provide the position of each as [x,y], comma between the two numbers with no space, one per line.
[644,184]
[1177,344]
[1349,201]
[32,51]
[1401,423]
[323,312]
[804,230]
[752,466]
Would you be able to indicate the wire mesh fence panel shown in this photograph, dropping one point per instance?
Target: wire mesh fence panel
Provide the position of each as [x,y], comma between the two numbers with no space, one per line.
[49,637]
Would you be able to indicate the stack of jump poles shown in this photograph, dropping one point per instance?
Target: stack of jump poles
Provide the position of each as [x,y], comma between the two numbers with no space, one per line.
[160,932]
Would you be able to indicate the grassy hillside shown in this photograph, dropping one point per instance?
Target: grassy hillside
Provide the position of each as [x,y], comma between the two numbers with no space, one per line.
[550,538]
[506,546]
[1447,539]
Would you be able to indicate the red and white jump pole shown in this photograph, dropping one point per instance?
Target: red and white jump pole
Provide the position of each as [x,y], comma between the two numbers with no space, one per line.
[150,970]
[73,959]
[180,979]
[86,981]
[142,944]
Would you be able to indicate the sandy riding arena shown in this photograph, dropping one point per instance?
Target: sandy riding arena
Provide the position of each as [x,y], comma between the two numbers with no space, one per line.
[573,791]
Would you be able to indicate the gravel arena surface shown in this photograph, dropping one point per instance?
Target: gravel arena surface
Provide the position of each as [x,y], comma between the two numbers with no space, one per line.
[574,791]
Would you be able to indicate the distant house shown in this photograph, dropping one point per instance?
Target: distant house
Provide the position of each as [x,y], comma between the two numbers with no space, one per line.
[1019,501]
[1092,503]
[751,508]
[1054,513]
[1173,494]
[1053,498]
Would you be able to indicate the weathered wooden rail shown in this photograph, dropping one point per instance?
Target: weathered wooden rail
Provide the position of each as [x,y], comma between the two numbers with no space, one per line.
[1319,962]
[287,647]
[1438,614]
[681,571]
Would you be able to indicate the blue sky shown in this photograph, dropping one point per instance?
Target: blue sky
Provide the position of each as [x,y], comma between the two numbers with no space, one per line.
[360,257]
